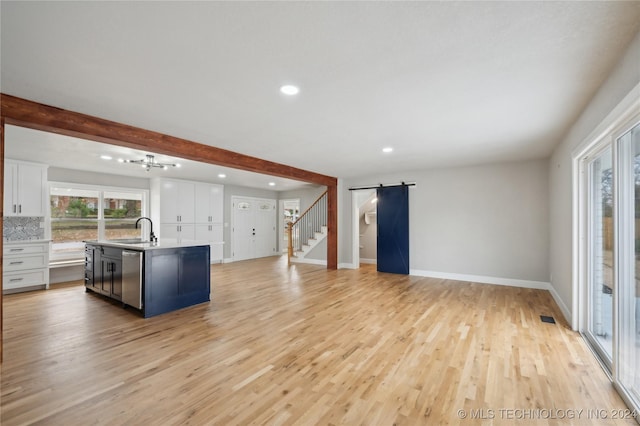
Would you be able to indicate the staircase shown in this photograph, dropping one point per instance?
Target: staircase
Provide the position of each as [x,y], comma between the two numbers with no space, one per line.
[308,230]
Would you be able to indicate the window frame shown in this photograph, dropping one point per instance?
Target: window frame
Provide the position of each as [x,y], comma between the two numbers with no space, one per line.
[55,255]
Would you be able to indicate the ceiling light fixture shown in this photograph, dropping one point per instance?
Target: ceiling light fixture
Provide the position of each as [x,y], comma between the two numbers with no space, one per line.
[106,157]
[149,161]
[222,175]
[290,90]
[387,150]
[272,184]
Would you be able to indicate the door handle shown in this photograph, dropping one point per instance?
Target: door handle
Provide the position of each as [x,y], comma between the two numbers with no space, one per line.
[20,208]
[14,208]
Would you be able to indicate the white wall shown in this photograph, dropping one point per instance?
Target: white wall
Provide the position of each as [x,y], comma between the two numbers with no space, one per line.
[620,81]
[485,221]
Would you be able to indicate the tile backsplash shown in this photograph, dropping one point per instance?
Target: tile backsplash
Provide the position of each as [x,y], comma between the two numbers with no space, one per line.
[21,228]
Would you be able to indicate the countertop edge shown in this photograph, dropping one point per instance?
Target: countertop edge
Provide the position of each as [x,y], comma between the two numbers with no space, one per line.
[149,246]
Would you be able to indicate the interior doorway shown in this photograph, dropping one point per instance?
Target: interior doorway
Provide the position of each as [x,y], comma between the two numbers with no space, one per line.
[290,213]
[365,229]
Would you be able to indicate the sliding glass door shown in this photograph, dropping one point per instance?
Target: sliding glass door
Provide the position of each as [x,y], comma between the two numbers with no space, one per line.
[600,280]
[627,298]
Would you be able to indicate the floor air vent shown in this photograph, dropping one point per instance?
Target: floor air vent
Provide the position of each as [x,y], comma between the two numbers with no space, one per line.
[550,320]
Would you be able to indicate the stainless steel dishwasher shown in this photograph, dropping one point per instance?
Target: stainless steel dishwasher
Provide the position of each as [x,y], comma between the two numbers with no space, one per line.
[132,278]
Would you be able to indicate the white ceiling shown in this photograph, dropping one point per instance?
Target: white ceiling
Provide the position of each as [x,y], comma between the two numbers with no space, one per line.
[443,83]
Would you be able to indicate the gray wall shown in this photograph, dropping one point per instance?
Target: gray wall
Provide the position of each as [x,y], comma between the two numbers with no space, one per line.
[489,220]
[56,174]
[621,80]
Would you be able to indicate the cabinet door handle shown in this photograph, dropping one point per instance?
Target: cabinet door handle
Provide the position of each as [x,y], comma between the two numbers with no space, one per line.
[13,280]
[16,263]
[17,249]
[14,208]
[20,208]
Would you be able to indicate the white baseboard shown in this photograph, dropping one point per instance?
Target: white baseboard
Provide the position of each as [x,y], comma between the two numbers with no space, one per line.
[369,261]
[309,261]
[540,285]
[346,266]
[565,311]
[228,260]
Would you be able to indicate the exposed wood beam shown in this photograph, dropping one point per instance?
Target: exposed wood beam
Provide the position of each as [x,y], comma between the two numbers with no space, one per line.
[25,113]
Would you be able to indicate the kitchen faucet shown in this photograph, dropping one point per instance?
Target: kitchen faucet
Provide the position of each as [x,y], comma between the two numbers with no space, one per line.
[152,237]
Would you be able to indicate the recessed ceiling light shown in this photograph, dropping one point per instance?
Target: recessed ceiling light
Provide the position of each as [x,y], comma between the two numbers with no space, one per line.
[178,165]
[272,184]
[120,160]
[106,157]
[375,200]
[222,175]
[387,149]
[290,90]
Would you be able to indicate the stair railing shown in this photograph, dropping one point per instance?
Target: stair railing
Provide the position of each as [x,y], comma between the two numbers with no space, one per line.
[305,227]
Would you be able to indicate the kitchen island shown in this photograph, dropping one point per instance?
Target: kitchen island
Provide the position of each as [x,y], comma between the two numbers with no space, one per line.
[151,277]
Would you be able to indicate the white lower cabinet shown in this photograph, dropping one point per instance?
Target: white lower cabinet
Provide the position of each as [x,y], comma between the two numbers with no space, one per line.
[25,264]
[214,235]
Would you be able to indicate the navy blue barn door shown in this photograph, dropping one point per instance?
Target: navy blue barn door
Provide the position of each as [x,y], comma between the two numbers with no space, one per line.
[393,229]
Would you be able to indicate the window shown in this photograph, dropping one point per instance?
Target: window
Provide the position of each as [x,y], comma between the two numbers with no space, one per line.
[609,246]
[87,212]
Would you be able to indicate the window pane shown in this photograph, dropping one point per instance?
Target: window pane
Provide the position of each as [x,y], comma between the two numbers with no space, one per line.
[121,228]
[122,205]
[74,206]
[629,262]
[68,234]
[601,253]
[74,218]
[121,210]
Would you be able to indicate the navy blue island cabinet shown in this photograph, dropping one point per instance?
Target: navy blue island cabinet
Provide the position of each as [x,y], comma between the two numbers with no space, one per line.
[167,276]
[175,278]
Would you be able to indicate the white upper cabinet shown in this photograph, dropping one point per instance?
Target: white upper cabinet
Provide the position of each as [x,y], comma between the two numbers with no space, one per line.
[177,206]
[208,203]
[24,189]
[177,201]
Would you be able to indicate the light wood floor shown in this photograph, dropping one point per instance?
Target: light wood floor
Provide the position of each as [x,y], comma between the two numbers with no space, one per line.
[300,346]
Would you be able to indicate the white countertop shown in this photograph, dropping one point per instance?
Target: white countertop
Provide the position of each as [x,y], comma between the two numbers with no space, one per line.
[5,242]
[163,243]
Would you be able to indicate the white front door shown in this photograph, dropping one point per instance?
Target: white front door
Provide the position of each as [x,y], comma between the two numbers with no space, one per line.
[254,228]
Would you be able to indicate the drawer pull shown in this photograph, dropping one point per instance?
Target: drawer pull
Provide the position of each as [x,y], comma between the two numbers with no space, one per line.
[13,280]
[16,263]
[16,249]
